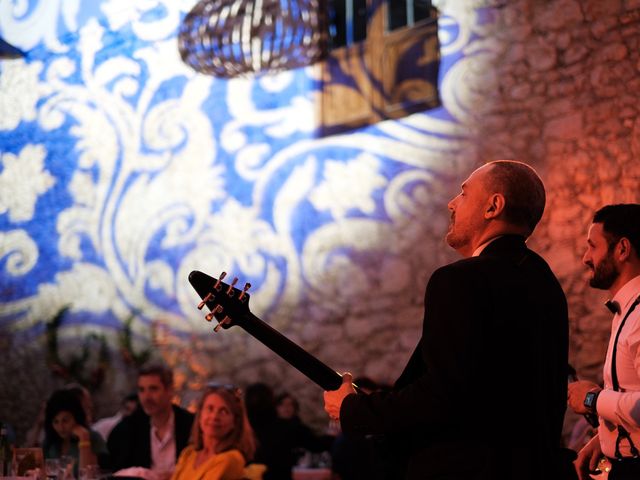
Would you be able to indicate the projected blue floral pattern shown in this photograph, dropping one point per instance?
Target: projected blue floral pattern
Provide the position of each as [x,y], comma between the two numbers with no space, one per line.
[122,170]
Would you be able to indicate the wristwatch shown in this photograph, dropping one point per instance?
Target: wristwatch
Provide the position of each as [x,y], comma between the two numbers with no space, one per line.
[590,400]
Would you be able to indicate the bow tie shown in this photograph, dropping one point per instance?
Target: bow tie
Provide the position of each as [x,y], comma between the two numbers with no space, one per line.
[614,307]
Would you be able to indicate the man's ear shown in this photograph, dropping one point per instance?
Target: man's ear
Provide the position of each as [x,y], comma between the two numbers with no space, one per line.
[495,206]
[623,249]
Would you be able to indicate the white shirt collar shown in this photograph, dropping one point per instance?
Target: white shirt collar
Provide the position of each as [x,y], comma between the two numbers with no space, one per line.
[627,294]
[169,428]
[484,245]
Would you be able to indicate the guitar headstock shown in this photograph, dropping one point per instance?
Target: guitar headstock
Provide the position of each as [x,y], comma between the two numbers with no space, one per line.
[226,303]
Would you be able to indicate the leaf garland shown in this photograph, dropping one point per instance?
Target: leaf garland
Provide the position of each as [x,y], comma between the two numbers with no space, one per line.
[126,346]
[77,367]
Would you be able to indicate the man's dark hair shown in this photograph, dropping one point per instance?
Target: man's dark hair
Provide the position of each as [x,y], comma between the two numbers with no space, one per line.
[160,370]
[618,221]
[523,191]
[130,397]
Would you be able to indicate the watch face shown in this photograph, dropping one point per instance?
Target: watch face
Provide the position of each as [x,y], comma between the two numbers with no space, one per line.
[588,399]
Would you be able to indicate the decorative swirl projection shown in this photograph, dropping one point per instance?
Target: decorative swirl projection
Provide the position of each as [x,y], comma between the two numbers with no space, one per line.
[20,250]
[142,170]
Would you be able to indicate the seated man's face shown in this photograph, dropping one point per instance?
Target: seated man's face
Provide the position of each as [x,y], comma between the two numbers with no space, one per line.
[154,397]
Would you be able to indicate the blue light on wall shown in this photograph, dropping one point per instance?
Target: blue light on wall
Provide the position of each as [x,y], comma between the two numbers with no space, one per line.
[121,170]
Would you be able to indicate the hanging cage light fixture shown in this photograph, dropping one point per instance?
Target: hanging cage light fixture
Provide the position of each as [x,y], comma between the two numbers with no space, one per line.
[230,38]
[8,51]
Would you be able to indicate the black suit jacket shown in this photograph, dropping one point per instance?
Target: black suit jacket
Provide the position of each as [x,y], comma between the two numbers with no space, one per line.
[130,441]
[484,394]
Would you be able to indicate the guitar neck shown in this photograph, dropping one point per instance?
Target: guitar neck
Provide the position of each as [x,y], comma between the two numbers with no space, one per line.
[296,356]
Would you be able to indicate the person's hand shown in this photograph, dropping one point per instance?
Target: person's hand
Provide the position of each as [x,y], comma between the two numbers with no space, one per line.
[81,433]
[588,459]
[333,399]
[577,391]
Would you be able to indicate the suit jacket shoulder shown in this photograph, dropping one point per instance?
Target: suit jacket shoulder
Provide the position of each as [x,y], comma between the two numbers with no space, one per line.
[130,442]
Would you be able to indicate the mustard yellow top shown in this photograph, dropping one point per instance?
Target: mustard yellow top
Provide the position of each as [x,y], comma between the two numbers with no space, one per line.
[227,465]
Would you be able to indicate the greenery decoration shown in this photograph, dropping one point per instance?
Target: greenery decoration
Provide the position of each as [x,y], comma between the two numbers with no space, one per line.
[126,346]
[78,367]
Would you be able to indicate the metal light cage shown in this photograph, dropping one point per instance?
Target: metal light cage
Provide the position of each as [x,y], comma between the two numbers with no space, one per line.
[231,38]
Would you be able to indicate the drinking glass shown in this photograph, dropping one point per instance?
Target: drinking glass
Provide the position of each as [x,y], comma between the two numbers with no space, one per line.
[66,467]
[52,468]
[89,472]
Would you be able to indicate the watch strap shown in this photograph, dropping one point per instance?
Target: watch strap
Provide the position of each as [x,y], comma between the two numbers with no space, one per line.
[591,399]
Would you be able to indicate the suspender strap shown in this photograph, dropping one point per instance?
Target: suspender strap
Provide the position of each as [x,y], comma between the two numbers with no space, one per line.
[622,432]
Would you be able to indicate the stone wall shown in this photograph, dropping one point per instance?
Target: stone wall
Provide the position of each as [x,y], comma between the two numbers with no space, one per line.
[567,101]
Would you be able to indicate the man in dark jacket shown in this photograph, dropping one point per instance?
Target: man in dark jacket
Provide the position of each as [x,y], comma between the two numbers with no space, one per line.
[484,394]
[154,435]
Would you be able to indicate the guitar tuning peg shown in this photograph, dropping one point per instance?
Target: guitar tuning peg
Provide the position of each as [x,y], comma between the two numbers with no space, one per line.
[209,316]
[224,321]
[205,300]
[233,284]
[247,286]
[217,285]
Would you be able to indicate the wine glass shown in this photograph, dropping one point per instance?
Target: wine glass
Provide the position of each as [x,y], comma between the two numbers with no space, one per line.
[52,468]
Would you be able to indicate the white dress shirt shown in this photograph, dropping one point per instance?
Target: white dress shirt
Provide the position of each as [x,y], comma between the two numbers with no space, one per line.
[622,407]
[163,450]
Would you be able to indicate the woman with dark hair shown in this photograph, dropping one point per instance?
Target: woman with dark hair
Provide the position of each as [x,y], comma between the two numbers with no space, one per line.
[68,434]
[221,438]
[287,406]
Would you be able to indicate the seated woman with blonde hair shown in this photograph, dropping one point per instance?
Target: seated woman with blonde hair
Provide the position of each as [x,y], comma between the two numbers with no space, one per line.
[221,438]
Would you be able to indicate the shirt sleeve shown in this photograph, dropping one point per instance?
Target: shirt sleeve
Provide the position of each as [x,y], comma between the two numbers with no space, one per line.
[623,408]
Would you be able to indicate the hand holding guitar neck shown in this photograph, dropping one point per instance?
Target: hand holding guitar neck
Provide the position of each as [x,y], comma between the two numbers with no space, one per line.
[230,306]
[333,399]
